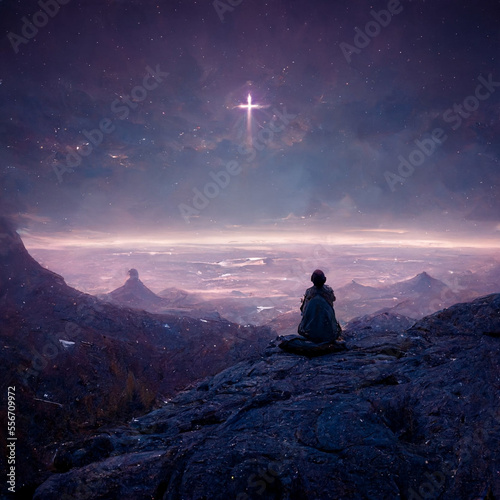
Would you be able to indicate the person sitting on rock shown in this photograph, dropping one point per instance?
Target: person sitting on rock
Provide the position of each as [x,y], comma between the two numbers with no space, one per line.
[319,323]
[319,329]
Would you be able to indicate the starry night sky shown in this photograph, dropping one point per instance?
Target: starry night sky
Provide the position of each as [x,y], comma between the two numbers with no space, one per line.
[337,116]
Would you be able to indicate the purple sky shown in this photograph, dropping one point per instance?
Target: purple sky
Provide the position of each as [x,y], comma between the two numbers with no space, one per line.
[374,116]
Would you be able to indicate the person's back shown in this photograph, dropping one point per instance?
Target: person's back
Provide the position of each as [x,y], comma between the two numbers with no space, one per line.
[319,323]
[324,291]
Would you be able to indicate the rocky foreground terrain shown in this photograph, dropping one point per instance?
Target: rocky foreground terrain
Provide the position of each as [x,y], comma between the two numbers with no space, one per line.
[406,413]
[78,363]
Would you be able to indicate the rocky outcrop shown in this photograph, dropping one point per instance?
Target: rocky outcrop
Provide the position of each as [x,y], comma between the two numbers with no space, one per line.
[472,319]
[400,415]
[380,322]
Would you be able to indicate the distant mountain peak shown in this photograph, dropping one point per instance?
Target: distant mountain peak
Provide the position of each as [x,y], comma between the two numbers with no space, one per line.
[424,279]
[423,276]
[134,292]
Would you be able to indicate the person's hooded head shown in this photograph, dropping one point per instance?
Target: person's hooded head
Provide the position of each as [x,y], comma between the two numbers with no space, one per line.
[318,278]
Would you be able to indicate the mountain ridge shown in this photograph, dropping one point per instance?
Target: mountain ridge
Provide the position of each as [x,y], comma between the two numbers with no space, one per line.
[96,362]
[415,297]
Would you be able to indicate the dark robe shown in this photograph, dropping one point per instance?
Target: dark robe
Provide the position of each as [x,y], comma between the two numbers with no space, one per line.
[319,323]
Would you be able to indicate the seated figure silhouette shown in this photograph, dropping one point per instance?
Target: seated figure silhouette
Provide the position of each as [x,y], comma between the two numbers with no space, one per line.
[318,328]
[319,323]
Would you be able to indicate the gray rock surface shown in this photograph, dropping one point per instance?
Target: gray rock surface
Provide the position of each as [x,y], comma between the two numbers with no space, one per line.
[400,415]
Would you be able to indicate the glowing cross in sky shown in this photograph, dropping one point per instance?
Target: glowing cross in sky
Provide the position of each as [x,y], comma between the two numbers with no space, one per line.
[249,106]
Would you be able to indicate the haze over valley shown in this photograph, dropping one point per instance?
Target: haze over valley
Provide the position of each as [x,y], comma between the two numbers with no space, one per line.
[257,283]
